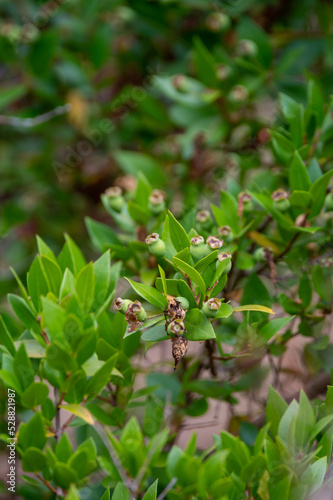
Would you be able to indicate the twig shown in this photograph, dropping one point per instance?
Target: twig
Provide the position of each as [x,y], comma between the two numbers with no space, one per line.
[47,484]
[15,121]
[167,489]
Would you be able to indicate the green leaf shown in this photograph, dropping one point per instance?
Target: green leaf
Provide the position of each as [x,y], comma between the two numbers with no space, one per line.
[99,380]
[322,282]
[305,421]
[254,307]
[60,358]
[139,214]
[85,286]
[100,234]
[34,394]
[33,348]
[5,337]
[191,273]
[163,279]
[318,191]
[44,249]
[36,281]
[33,460]
[301,199]
[224,312]
[198,327]
[272,327]
[64,475]
[32,433]
[53,318]
[22,288]
[185,291]
[150,294]
[205,64]
[120,492]
[298,175]
[132,163]
[63,449]
[67,284]
[79,411]
[203,263]
[275,409]
[23,312]
[155,334]
[151,493]
[71,257]
[179,237]
[52,274]
[22,367]
[102,272]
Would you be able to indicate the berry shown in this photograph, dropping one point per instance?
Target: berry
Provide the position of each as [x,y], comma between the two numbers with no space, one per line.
[204,219]
[238,94]
[176,327]
[198,248]
[218,21]
[280,198]
[156,202]
[121,305]
[220,258]
[156,245]
[136,309]
[247,48]
[226,233]
[115,198]
[245,204]
[184,302]
[211,307]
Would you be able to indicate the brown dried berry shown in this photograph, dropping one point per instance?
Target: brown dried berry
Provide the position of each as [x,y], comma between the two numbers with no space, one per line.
[175,310]
[179,348]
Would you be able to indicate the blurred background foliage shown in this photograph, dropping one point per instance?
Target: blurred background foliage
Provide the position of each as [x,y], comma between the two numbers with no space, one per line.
[149,85]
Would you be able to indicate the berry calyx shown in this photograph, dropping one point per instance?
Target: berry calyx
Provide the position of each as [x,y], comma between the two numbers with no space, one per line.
[280,198]
[226,233]
[155,244]
[223,256]
[214,243]
[121,305]
[156,201]
[198,248]
[176,327]
[211,307]
[115,198]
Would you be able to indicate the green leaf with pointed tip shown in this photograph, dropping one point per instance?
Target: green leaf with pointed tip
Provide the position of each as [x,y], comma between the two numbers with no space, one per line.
[179,237]
[99,380]
[151,493]
[36,281]
[275,409]
[150,294]
[22,367]
[298,175]
[100,234]
[44,249]
[79,411]
[224,312]
[155,334]
[254,307]
[164,284]
[34,395]
[198,327]
[85,286]
[6,338]
[120,493]
[272,327]
[52,274]
[67,284]
[191,273]
[33,460]
[71,257]
[201,265]
[318,191]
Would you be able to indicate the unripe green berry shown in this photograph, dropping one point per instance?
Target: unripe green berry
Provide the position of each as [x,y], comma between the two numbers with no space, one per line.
[184,302]
[115,198]
[176,327]
[156,245]
[220,258]
[180,82]
[214,243]
[238,94]
[280,199]
[204,218]
[226,233]
[223,72]
[137,309]
[328,204]
[247,48]
[156,201]
[211,307]
[198,248]
[259,255]
[218,21]
[121,305]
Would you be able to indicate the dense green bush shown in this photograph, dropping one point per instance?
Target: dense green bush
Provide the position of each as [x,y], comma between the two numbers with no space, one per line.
[212,123]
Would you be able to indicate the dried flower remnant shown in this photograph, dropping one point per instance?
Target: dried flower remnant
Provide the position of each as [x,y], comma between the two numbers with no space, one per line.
[179,348]
[175,310]
[214,242]
[135,315]
[280,198]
